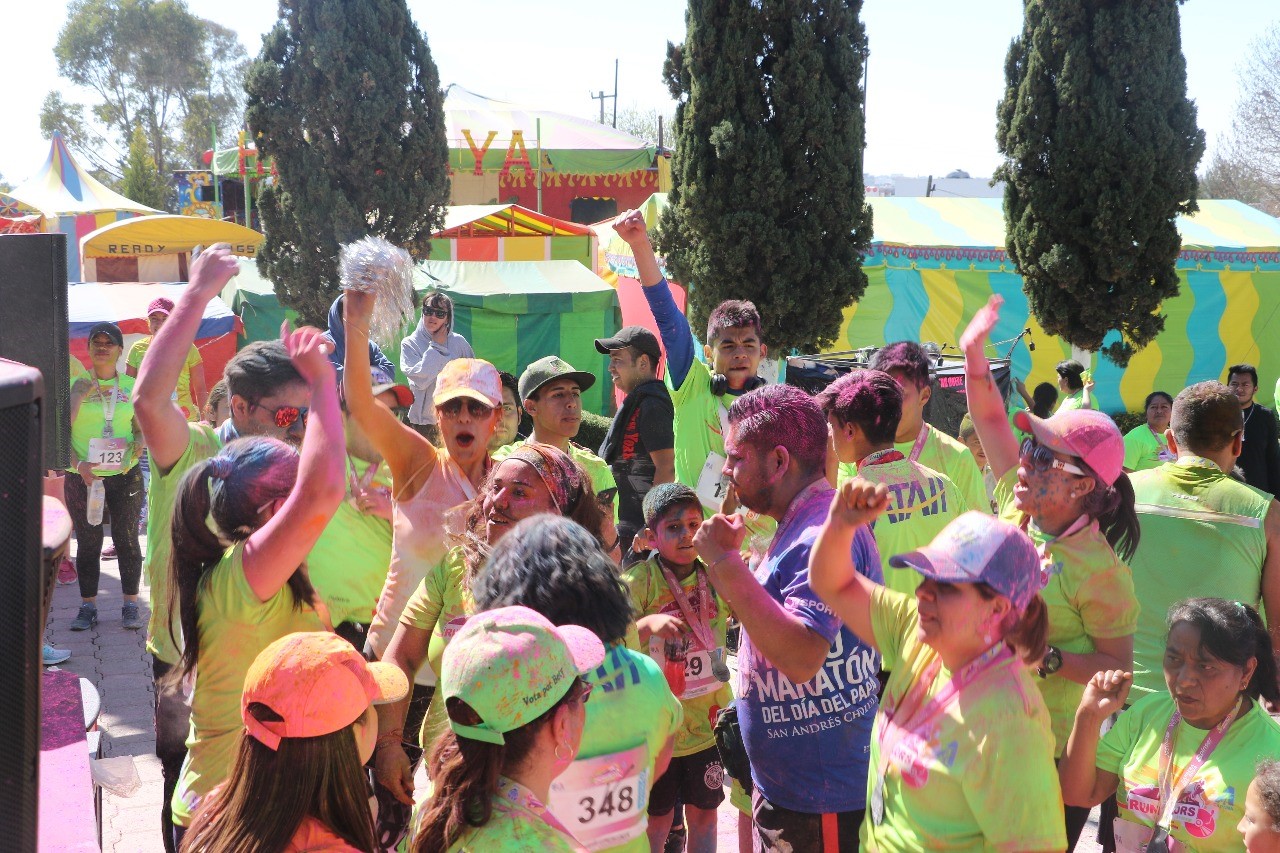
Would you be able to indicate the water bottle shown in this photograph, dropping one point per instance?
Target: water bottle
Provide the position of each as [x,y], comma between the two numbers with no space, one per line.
[97,497]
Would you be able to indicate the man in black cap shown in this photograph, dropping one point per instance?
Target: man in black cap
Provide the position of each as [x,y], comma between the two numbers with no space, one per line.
[640,444]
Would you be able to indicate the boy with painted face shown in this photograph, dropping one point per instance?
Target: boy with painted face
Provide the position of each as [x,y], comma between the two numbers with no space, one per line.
[682,625]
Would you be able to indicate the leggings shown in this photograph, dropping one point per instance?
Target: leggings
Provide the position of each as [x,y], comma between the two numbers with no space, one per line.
[173,722]
[124,498]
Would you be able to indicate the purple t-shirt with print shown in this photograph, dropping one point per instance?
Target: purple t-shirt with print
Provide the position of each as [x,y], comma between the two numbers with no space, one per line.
[809,743]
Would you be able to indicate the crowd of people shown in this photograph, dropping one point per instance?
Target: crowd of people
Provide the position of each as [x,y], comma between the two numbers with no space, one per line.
[381,618]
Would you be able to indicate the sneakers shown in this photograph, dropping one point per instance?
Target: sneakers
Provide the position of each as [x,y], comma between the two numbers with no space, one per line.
[129,616]
[52,656]
[109,552]
[67,572]
[86,618]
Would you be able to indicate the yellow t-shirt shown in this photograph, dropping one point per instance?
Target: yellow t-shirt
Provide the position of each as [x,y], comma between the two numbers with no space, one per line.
[1090,594]
[348,564]
[980,776]
[234,627]
[182,394]
[441,605]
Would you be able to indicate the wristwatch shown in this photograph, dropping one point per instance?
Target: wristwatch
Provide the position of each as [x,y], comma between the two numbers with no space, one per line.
[1052,662]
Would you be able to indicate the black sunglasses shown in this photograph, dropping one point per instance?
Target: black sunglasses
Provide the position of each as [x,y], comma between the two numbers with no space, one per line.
[438,313]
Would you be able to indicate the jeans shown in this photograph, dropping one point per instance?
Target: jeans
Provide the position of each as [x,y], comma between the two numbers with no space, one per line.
[173,722]
[124,499]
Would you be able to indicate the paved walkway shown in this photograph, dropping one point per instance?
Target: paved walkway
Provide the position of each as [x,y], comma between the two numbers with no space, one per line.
[116,662]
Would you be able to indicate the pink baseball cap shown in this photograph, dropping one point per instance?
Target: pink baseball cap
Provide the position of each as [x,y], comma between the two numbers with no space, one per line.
[318,683]
[160,305]
[980,548]
[1083,433]
[468,377]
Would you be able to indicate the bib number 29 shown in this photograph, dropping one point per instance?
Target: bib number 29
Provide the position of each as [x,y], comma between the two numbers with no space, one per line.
[613,803]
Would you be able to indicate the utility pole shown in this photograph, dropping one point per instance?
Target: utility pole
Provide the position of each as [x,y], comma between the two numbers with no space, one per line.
[602,97]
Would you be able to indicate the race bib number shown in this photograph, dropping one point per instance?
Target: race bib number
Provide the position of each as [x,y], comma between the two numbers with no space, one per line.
[700,678]
[108,453]
[603,800]
[712,484]
[451,628]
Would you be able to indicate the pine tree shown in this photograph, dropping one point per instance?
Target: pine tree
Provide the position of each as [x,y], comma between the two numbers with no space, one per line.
[142,181]
[346,101]
[767,202]
[1101,146]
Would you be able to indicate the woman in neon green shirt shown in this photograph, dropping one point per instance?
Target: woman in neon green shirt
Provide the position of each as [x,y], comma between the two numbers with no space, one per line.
[961,753]
[1218,666]
[1145,446]
[553,566]
[1065,486]
[243,585]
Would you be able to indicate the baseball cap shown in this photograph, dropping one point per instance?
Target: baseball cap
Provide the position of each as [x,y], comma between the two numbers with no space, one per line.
[547,369]
[318,683]
[980,548]
[468,377]
[637,337]
[1082,433]
[511,665]
[160,305]
[111,330]
[404,396]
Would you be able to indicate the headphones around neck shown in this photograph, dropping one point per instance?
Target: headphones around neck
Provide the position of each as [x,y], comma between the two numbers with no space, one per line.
[720,384]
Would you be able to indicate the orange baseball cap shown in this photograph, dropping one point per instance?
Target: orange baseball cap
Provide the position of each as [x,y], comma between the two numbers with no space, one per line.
[318,683]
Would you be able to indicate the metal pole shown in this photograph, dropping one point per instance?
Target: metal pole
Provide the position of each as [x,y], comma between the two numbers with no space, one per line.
[615,95]
[538,128]
[213,168]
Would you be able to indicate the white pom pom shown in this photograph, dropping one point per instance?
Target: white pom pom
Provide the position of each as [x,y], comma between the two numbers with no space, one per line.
[372,265]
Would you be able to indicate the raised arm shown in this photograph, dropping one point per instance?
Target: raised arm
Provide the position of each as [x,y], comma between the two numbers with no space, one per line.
[162,421]
[406,452]
[831,575]
[274,551]
[986,407]
[1083,784]
[677,338]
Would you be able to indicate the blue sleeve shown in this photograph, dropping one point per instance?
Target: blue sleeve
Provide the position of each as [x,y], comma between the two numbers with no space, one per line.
[379,361]
[677,337]
[801,601]
[866,555]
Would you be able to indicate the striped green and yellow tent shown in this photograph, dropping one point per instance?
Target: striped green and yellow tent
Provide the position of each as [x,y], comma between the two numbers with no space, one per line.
[516,312]
[935,261]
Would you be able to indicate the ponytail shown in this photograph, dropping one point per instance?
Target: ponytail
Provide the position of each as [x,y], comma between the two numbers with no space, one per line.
[196,550]
[1025,633]
[1113,508]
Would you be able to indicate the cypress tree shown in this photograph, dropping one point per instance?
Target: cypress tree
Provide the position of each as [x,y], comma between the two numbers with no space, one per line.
[767,199]
[1101,146]
[141,180]
[346,100]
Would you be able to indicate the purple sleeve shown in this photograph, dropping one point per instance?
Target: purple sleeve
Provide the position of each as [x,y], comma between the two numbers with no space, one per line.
[677,337]
[866,555]
[800,600]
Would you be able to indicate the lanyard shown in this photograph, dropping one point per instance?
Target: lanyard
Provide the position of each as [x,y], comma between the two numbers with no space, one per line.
[1170,789]
[818,490]
[511,791]
[1042,548]
[699,623]
[355,484]
[913,713]
[919,445]
[109,408]
[883,457]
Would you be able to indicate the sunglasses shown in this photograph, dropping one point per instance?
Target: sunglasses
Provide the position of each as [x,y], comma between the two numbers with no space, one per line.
[438,313]
[475,408]
[287,416]
[584,693]
[1042,459]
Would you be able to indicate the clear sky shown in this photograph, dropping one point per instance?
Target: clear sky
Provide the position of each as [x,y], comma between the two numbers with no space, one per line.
[935,76]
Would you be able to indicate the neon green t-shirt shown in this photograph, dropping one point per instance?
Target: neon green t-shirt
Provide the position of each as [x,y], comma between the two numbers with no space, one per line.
[202,443]
[519,823]
[348,564]
[441,605]
[1074,400]
[629,719]
[704,695]
[1210,807]
[234,627]
[1202,535]
[1090,594]
[182,394]
[945,455]
[922,501]
[91,421]
[1143,449]
[981,776]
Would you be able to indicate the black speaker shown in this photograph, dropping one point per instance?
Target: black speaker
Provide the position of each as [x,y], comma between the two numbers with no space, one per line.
[33,327]
[21,606]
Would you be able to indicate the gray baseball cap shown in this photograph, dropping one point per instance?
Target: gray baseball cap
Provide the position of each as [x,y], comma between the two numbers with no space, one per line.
[547,369]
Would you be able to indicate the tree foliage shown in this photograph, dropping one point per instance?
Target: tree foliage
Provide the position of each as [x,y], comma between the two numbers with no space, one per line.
[142,181]
[346,100]
[767,202]
[1246,165]
[1100,145]
[148,63]
[643,124]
